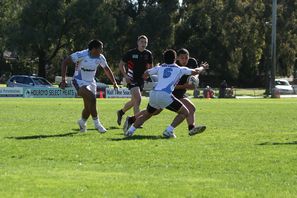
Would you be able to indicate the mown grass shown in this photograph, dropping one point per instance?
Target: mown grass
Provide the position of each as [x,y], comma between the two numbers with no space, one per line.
[248,150]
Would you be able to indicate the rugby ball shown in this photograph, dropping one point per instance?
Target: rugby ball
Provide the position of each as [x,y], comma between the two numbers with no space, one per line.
[193,80]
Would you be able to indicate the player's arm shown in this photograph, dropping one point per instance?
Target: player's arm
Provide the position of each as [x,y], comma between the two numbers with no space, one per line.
[145,75]
[150,72]
[122,67]
[67,61]
[149,65]
[199,70]
[110,76]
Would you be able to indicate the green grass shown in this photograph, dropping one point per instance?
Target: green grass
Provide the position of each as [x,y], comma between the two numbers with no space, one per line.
[237,92]
[248,150]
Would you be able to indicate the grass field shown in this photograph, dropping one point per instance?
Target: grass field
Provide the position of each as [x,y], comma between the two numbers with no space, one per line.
[248,150]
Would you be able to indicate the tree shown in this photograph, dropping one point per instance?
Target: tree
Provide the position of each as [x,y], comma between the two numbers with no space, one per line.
[286,37]
[46,27]
[226,33]
[40,32]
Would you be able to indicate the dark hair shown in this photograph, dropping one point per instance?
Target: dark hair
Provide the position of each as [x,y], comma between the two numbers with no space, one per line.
[169,56]
[192,63]
[95,44]
[142,37]
[182,51]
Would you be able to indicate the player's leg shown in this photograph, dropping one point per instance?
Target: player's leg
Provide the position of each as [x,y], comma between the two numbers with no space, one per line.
[131,119]
[140,119]
[191,107]
[193,130]
[85,112]
[134,102]
[136,98]
[182,113]
[88,93]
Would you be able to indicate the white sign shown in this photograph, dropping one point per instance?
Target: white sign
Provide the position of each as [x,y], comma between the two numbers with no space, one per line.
[11,92]
[49,92]
[120,93]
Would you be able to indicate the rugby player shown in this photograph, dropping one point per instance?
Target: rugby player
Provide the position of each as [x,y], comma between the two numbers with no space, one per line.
[86,63]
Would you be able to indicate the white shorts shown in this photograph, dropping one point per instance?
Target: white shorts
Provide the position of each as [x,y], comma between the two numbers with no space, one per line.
[160,99]
[91,86]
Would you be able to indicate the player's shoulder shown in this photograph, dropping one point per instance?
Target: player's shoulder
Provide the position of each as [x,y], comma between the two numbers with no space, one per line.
[102,57]
[147,51]
[82,53]
[132,51]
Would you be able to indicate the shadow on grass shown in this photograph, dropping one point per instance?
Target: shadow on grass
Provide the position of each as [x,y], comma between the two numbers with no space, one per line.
[114,128]
[32,137]
[278,143]
[139,137]
[93,129]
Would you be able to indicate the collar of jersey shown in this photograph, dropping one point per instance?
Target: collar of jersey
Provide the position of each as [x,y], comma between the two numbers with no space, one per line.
[92,57]
[169,65]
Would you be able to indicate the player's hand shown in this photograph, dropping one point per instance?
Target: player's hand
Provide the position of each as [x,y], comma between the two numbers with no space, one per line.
[116,86]
[63,84]
[205,65]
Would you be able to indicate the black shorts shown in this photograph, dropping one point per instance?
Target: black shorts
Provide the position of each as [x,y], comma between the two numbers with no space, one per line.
[180,93]
[181,96]
[174,106]
[136,84]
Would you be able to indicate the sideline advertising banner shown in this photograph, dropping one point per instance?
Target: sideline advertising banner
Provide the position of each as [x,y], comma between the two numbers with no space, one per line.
[121,93]
[49,93]
[11,92]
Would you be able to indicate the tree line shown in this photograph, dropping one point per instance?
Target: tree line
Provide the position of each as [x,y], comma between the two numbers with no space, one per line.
[233,36]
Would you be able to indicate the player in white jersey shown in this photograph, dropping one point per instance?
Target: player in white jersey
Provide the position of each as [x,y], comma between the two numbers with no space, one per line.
[161,96]
[86,63]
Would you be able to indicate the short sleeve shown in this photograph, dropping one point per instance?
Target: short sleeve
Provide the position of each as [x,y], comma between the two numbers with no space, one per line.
[150,58]
[186,71]
[153,70]
[74,57]
[77,56]
[103,62]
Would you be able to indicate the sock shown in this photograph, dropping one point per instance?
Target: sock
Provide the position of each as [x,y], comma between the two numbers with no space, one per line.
[96,120]
[191,126]
[132,128]
[121,112]
[131,119]
[84,120]
[170,128]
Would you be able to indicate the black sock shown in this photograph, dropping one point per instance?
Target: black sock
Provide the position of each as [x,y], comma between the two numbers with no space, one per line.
[121,112]
[131,119]
[190,127]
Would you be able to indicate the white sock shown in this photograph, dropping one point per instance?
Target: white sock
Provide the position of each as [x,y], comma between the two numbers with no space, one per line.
[170,128]
[132,128]
[83,120]
[96,121]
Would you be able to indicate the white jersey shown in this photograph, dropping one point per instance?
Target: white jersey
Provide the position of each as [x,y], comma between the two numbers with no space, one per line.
[86,66]
[168,76]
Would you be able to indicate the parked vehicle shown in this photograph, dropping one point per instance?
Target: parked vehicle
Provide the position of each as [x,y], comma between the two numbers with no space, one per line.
[284,86]
[27,81]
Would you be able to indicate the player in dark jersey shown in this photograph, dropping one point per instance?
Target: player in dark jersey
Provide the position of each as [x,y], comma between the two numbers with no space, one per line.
[183,59]
[132,67]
